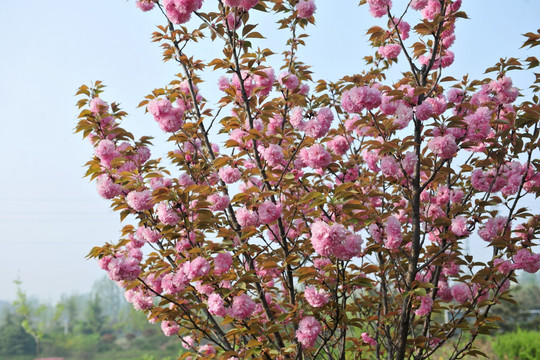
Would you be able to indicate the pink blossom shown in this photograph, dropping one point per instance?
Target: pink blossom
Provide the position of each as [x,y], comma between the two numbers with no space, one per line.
[273,155]
[378,8]
[339,145]
[106,151]
[390,51]
[455,95]
[179,11]
[393,233]
[290,81]
[246,217]
[218,202]
[419,4]
[122,268]
[318,126]
[229,175]
[326,238]
[222,263]
[316,298]
[527,261]
[173,283]
[371,159]
[98,106]
[438,104]
[316,156]
[308,330]
[443,146]
[265,83]
[106,188]
[305,9]
[248,4]
[359,98]
[139,299]
[188,342]
[461,292]
[170,119]
[403,27]
[145,5]
[409,162]
[349,248]
[148,234]
[216,305]
[432,8]
[503,266]
[207,350]
[368,339]
[404,115]
[389,166]
[493,228]
[478,126]
[376,232]
[160,182]
[197,267]
[167,215]
[269,212]
[232,3]
[184,180]
[140,200]
[426,303]
[424,111]
[169,328]
[242,307]
[459,226]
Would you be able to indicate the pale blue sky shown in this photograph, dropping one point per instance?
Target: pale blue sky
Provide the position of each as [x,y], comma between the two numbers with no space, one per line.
[50,216]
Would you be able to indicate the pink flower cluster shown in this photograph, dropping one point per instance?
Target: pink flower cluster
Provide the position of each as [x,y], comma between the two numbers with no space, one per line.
[305,8]
[139,299]
[145,5]
[121,267]
[166,215]
[316,298]
[493,228]
[394,237]
[316,156]
[390,51]
[260,84]
[368,339]
[243,4]
[106,188]
[229,175]
[359,98]
[140,200]
[308,330]
[222,263]
[443,146]
[317,126]
[179,11]
[527,261]
[218,202]
[242,307]
[169,328]
[378,8]
[426,303]
[106,151]
[247,217]
[335,240]
[269,212]
[169,118]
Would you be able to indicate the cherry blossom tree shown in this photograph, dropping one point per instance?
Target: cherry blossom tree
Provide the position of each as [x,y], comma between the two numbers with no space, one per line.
[331,221]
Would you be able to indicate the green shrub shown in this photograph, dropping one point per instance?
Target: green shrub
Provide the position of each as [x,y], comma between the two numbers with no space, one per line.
[520,345]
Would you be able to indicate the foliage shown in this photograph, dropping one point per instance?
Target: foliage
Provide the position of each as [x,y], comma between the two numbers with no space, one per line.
[333,222]
[519,345]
